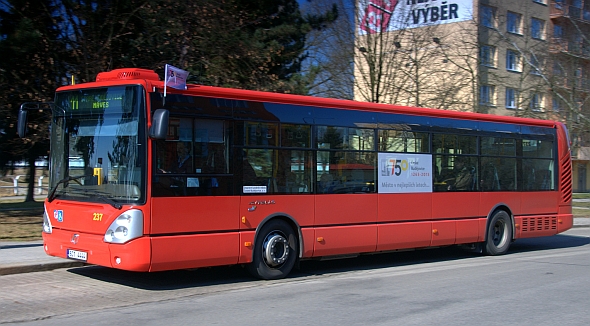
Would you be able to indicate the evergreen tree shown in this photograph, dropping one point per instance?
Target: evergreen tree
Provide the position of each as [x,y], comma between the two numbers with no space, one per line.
[251,44]
[29,49]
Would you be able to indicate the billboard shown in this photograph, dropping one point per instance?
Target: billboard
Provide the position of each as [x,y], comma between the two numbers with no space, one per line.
[377,16]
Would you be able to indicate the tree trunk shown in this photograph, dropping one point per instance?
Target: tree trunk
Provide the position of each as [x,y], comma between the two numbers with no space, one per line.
[31,186]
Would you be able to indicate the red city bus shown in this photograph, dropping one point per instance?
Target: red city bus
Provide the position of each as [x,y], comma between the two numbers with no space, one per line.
[211,176]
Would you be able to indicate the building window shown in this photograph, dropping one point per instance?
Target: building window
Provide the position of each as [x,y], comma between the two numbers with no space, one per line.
[578,76]
[487,55]
[557,31]
[559,4]
[558,69]
[488,16]
[536,103]
[535,65]
[575,10]
[556,105]
[513,61]
[513,23]
[575,42]
[537,29]
[486,95]
[511,98]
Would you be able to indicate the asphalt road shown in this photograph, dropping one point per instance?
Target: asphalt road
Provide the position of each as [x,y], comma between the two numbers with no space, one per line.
[543,281]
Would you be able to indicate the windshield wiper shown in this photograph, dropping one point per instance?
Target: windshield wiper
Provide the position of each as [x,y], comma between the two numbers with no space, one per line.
[51,195]
[90,193]
[109,201]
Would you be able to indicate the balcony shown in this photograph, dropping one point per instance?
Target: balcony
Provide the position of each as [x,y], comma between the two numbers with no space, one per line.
[580,84]
[561,10]
[581,48]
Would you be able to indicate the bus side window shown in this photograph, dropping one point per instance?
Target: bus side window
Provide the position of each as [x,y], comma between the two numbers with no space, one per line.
[459,173]
[211,148]
[543,180]
[184,158]
[489,180]
[326,183]
[257,169]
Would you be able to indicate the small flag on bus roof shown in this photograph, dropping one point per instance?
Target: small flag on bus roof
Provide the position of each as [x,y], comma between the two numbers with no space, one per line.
[175,78]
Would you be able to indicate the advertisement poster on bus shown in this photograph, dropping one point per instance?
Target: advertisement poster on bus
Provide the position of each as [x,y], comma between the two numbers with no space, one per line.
[376,16]
[404,173]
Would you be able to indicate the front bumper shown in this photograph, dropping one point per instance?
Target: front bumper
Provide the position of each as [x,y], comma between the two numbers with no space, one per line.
[134,255]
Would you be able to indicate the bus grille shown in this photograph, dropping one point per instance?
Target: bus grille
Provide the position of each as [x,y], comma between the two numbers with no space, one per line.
[533,224]
[566,179]
[128,75]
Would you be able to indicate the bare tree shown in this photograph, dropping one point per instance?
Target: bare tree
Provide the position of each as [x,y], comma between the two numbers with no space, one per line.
[329,64]
[445,66]
[555,65]
[360,57]
[568,75]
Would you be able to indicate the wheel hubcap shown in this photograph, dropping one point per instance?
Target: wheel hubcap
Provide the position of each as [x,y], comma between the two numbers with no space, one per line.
[499,233]
[275,250]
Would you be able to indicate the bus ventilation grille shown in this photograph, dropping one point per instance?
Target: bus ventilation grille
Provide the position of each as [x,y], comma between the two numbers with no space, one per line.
[532,224]
[566,179]
[127,73]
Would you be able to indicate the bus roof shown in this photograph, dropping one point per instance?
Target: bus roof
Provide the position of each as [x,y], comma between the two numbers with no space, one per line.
[150,80]
[238,94]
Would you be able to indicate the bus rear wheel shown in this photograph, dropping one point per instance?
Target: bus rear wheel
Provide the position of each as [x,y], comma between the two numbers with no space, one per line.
[275,251]
[499,234]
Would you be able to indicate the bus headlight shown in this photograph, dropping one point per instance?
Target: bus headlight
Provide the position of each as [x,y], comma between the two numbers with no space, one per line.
[47,228]
[126,227]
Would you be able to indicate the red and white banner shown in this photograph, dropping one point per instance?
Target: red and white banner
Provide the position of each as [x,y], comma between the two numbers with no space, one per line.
[377,16]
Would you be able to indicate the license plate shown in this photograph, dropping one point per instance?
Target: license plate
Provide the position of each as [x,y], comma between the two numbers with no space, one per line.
[76,254]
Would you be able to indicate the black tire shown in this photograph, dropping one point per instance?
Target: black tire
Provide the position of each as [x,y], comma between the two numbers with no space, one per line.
[275,251]
[499,234]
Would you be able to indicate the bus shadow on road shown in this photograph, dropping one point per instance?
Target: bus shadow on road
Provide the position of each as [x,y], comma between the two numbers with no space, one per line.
[227,275]
[559,241]
[168,280]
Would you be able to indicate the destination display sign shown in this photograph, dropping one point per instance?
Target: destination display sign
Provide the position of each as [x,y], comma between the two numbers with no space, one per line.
[97,100]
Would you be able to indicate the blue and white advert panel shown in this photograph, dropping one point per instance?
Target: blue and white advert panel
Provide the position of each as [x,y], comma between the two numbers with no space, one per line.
[404,173]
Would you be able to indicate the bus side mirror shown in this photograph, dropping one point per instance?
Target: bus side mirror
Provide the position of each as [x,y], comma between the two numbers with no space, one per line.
[21,126]
[159,128]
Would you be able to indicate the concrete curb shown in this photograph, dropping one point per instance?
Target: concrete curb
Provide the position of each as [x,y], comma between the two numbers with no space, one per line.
[41,267]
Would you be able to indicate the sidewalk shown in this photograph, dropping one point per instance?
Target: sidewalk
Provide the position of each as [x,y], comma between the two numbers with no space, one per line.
[26,257]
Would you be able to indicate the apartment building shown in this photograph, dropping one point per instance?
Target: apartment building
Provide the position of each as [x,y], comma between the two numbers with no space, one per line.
[569,48]
[524,58]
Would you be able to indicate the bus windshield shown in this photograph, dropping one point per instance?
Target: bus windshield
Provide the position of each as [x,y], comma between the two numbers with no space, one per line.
[96,145]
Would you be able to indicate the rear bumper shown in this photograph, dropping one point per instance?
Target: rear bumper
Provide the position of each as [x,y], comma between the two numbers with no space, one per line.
[132,256]
[565,222]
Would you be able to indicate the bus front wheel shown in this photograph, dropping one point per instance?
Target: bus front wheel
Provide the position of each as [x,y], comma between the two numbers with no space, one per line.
[499,234]
[275,251]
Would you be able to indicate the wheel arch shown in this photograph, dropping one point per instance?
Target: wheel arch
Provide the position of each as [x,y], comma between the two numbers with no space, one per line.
[287,219]
[501,207]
